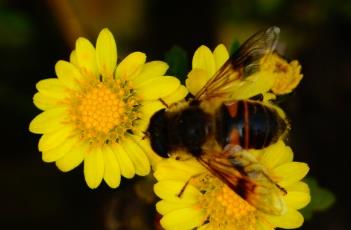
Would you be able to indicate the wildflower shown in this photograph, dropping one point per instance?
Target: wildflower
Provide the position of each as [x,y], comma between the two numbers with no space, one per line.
[287,75]
[208,203]
[206,63]
[96,111]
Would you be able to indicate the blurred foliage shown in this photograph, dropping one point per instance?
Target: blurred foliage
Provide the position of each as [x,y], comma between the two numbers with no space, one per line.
[15,28]
[131,206]
[234,46]
[321,199]
[177,59]
[268,6]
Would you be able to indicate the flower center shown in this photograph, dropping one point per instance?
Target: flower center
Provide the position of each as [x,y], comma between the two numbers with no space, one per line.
[101,109]
[104,111]
[224,208]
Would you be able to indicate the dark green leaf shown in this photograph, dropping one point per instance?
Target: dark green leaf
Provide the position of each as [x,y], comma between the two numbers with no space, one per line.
[15,28]
[177,60]
[321,199]
[234,46]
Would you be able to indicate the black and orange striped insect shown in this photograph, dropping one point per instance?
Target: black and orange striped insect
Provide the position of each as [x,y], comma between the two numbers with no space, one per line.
[217,130]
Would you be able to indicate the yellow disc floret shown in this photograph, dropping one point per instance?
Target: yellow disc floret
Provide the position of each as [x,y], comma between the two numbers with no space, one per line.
[104,111]
[100,109]
[224,208]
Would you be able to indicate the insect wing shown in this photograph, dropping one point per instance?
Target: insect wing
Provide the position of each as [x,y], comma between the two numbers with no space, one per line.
[244,62]
[244,175]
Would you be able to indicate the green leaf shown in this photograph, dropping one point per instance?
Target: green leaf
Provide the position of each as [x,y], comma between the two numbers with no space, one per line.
[267,7]
[234,46]
[321,199]
[16,28]
[178,61]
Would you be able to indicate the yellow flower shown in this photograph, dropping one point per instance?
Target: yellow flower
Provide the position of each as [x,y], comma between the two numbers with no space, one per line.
[206,63]
[208,203]
[287,75]
[96,111]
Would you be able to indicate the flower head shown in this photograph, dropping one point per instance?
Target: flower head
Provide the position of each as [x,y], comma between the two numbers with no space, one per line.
[96,111]
[208,203]
[287,75]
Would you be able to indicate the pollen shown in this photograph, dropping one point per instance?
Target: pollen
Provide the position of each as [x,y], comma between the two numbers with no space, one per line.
[104,111]
[224,208]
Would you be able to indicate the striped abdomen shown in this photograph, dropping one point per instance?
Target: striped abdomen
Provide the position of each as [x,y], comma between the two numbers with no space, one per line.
[249,124]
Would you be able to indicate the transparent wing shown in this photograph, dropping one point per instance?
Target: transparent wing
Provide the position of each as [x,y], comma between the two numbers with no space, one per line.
[245,176]
[241,64]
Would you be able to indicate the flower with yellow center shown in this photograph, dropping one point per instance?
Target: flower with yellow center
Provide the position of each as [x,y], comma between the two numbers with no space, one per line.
[275,74]
[96,111]
[208,203]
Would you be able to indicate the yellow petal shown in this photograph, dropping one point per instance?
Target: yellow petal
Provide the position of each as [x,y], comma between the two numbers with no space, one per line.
[73,58]
[137,155]
[186,218]
[73,158]
[258,83]
[298,195]
[291,219]
[164,206]
[221,55]
[298,187]
[142,124]
[152,156]
[197,78]
[112,174]
[44,102]
[169,190]
[59,151]
[157,87]
[48,121]
[185,169]
[131,66]
[290,173]
[149,108]
[106,53]
[86,57]
[206,226]
[53,139]
[125,163]
[276,155]
[150,70]
[297,200]
[176,96]
[264,226]
[203,59]
[94,168]
[52,87]
[68,74]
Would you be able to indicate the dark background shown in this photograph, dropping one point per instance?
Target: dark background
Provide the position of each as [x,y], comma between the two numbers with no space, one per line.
[36,34]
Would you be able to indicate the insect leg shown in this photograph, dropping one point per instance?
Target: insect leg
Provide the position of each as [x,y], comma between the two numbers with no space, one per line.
[187,183]
[163,102]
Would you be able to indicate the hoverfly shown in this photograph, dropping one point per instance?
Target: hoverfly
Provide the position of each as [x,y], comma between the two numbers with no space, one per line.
[218,130]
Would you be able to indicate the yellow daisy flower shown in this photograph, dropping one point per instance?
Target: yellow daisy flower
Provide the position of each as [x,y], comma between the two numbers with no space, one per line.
[206,63]
[96,111]
[275,74]
[208,203]
[287,75]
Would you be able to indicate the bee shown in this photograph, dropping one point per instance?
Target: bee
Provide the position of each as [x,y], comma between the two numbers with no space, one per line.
[218,130]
